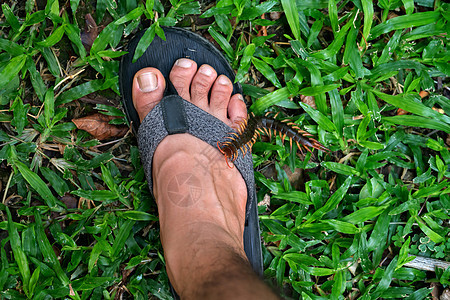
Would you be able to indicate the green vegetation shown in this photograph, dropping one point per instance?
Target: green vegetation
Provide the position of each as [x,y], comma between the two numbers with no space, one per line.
[78,221]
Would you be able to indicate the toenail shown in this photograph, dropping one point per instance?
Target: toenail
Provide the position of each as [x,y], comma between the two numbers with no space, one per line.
[184,63]
[224,80]
[205,70]
[147,82]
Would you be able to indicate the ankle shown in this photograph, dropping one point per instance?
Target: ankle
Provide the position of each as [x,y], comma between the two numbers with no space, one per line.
[194,270]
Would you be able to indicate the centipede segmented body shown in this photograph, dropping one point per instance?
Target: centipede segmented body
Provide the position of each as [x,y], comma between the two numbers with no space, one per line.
[254,126]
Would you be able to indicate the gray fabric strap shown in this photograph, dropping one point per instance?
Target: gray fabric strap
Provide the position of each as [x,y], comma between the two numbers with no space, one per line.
[199,124]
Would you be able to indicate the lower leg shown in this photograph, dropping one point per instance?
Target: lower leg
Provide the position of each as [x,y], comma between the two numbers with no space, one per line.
[202,232]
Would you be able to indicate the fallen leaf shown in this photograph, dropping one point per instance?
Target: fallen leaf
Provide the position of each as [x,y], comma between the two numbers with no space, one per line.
[435,291]
[309,100]
[423,94]
[401,112]
[98,126]
[90,32]
[296,178]
[391,15]
[439,110]
[445,295]
[275,15]
[265,201]
[70,201]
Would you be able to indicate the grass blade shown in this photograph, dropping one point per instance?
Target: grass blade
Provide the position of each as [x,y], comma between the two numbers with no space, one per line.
[121,237]
[333,15]
[337,111]
[19,254]
[416,121]
[317,90]
[223,43]
[332,202]
[340,226]
[79,91]
[320,118]
[410,104]
[368,17]
[290,9]
[407,21]
[266,70]
[39,185]
[11,70]
[364,214]
[47,250]
[54,38]
[269,100]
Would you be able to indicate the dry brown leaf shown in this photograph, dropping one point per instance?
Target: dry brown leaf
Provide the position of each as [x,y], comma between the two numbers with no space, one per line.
[98,126]
[275,15]
[90,33]
[435,291]
[70,201]
[445,295]
[423,94]
[439,110]
[401,112]
[265,201]
[392,15]
[309,100]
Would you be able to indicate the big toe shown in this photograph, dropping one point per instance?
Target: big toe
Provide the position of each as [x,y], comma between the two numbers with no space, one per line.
[148,90]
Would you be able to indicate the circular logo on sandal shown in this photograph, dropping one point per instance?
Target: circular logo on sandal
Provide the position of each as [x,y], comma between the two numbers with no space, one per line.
[184,189]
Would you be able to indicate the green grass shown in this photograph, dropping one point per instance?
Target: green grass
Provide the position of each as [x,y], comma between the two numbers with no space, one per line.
[77,219]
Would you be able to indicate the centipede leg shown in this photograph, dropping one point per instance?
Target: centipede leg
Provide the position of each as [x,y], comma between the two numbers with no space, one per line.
[232,165]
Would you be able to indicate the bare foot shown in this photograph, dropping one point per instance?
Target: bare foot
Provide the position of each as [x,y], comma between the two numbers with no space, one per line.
[201,202]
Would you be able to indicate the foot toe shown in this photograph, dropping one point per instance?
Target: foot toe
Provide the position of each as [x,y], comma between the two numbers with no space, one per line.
[181,76]
[220,97]
[237,109]
[148,90]
[201,86]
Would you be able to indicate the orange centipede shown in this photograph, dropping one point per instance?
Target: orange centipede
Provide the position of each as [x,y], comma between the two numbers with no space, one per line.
[251,128]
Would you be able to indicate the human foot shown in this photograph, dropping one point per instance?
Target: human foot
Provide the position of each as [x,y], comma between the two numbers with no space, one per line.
[201,202]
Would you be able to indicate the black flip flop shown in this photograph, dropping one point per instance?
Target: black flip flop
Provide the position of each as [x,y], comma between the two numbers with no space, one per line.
[176,115]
